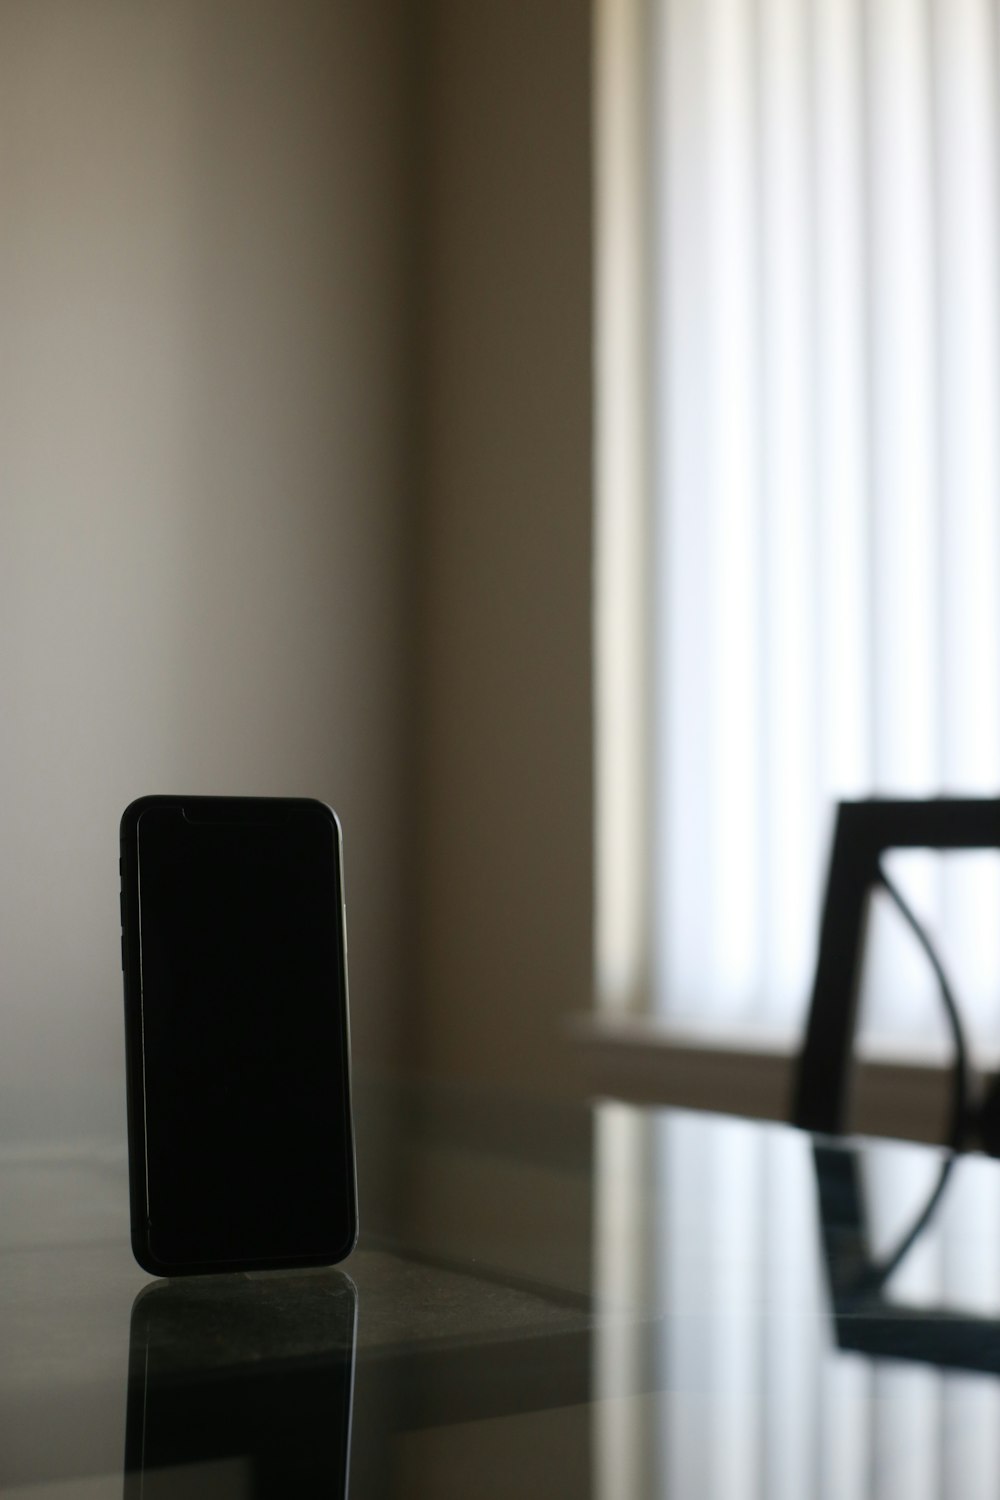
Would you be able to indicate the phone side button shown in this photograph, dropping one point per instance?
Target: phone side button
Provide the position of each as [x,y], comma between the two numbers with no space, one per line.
[123,952]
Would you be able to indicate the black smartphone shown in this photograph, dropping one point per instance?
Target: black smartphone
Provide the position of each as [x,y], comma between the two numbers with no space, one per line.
[234,951]
[241,1386]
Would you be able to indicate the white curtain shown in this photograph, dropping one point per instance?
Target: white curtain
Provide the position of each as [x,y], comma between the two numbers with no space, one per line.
[825,359]
[820,219]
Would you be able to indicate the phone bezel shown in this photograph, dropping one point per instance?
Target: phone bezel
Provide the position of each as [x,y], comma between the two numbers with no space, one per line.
[228,808]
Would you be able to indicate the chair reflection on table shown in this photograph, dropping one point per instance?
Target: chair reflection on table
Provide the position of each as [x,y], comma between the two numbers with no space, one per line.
[866,1319]
[241,1386]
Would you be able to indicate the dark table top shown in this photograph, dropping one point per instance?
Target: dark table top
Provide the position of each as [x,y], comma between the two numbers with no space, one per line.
[621,1302]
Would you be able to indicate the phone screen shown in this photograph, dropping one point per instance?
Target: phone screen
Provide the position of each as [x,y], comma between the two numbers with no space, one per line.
[243,1033]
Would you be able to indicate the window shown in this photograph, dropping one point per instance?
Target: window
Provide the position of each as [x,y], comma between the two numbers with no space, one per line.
[799,472]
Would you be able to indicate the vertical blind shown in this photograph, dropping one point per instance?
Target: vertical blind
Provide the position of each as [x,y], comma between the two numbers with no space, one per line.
[821,230]
[824,337]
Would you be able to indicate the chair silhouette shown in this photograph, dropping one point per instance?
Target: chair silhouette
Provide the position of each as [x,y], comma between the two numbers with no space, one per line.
[864,832]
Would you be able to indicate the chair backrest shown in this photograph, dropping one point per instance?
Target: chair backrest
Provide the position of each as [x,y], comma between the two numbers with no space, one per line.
[864,832]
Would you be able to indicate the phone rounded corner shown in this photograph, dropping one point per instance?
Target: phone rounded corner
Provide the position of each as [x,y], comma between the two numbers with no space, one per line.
[330,814]
[354,1226]
[349,1246]
[129,820]
[143,1253]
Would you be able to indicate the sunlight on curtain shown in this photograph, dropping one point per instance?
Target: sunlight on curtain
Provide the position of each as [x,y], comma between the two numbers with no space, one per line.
[821,222]
[825,329]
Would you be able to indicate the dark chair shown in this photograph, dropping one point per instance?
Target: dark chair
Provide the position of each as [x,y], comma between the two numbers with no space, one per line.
[864,832]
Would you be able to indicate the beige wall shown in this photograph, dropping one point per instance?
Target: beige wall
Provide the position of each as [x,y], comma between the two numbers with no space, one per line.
[203,578]
[256,255]
[506,748]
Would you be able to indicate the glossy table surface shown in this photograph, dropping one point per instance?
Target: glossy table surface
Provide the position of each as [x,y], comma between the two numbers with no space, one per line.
[619,1302]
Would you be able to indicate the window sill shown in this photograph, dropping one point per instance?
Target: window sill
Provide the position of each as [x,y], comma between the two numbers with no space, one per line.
[895,1093]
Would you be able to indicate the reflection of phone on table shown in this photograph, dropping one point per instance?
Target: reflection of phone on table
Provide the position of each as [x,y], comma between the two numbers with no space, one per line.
[241,1387]
[241,1145]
